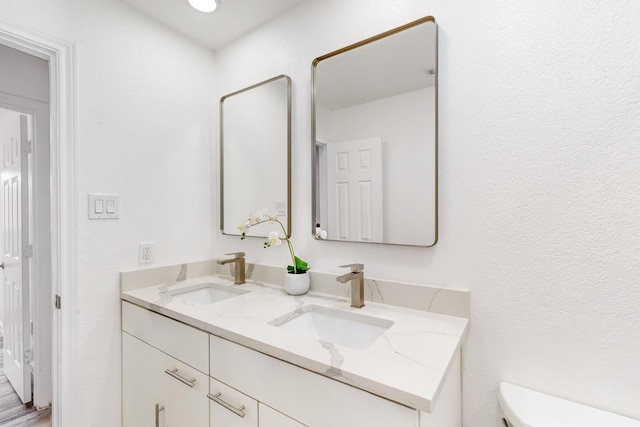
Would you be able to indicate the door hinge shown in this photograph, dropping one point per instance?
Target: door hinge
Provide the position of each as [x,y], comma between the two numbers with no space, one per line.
[31,326]
[27,146]
[58,302]
[28,356]
[28,251]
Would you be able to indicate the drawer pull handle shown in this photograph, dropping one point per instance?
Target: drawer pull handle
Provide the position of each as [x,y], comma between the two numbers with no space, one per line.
[158,410]
[183,380]
[216,398]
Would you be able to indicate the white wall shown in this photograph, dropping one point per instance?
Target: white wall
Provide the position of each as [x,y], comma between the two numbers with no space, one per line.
[144,131]
[539,182]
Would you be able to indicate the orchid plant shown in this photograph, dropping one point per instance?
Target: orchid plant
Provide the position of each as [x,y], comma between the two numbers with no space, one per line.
[273,239]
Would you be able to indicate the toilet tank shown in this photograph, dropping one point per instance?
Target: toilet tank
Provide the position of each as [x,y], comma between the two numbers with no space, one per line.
[521,407]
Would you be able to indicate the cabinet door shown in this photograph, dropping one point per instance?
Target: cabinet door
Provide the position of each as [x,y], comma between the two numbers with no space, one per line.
[141,384]
[160,391]
[271,418]
[230,408]
[185,391]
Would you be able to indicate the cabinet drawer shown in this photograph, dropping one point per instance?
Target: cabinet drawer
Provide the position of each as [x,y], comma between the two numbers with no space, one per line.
[310,398]
[181,341]
[230,408]
[271,418]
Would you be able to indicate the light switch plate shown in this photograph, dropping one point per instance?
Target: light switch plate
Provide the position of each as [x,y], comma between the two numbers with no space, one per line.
[104,206]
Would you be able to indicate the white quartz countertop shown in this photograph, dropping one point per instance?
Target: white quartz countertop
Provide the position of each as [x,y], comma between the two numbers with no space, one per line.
[408,364]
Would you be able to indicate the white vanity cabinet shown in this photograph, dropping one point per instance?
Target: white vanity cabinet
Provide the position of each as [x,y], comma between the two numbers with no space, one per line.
[159,390]
[175,375]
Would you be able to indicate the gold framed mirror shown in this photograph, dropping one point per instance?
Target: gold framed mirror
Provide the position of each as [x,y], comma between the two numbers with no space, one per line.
[374,136]
[255,155]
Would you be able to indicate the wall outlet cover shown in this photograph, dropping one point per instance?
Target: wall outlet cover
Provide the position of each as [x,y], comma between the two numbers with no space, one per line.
[146,252]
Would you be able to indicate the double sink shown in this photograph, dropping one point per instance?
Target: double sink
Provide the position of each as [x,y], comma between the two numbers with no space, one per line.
[349,329]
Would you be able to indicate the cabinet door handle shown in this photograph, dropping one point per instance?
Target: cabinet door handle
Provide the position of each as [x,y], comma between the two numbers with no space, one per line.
[216,398]
[158,410]
[183,380]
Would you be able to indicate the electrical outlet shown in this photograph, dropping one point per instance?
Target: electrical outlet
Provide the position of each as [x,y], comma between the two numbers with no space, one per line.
[280,208]
[146,253]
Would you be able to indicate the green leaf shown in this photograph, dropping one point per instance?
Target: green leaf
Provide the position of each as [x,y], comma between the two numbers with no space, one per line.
[301,266]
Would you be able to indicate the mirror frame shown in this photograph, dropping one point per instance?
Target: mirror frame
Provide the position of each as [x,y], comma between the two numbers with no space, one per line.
[221,151]
[313,128]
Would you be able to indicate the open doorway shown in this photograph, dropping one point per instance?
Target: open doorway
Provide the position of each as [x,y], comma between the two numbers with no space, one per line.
[60,59]
[25,241]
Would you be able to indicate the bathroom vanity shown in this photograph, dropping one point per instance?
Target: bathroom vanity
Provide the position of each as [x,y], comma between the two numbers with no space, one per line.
[206,352]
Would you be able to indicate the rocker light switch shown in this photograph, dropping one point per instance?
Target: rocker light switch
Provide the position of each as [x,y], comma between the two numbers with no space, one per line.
[111,206]
[104,206]
[98,206]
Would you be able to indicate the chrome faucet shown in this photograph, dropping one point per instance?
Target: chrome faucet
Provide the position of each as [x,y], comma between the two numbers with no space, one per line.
[238,261]
[356,276]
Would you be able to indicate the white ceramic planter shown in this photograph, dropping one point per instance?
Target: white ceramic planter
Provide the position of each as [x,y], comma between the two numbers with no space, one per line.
[296,284]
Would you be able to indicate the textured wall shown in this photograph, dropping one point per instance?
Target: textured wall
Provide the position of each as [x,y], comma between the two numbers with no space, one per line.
[539,182]
[144,131]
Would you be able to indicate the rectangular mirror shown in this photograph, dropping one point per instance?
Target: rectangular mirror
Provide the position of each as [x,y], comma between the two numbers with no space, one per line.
[374,134]
[255,155]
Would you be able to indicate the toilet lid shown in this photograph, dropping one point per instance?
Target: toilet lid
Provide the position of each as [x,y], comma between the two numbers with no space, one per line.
[528,408]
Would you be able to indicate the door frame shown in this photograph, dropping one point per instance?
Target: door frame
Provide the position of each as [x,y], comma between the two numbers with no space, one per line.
[61,58]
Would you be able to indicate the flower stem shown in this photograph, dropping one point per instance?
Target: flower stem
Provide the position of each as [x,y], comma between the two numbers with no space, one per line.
[290,245]
[284,234]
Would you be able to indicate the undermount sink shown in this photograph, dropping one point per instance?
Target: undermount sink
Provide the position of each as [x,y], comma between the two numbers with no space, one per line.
[206,293]
[341,327]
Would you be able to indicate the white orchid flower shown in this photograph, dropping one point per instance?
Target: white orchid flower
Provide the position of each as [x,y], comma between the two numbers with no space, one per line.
[261,215]
[273,239]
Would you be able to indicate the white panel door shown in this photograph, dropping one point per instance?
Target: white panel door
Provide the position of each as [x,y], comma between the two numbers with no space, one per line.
[16,269]
[354,187]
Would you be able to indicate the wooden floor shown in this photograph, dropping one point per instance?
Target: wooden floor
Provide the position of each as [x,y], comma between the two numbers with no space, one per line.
[12,412]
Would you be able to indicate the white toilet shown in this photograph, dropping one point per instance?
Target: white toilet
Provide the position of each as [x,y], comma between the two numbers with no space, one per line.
[521,407]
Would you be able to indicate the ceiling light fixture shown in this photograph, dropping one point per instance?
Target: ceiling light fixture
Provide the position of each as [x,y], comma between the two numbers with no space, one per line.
[206,6]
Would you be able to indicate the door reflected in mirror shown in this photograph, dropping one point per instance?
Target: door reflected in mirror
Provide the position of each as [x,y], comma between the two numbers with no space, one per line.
[374,131]
[255,147]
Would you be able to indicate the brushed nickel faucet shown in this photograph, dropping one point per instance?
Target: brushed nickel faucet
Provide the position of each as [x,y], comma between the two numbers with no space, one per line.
[238,270]
[356,277]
